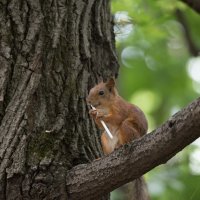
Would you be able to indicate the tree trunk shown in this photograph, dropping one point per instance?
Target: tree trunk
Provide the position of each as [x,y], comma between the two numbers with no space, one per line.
[51,54]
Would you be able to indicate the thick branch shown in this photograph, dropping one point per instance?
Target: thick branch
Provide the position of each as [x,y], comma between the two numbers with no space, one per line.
[194,4]
[90,181]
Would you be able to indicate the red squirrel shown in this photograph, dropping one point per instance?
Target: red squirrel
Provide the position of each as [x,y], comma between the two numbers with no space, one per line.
[125,121]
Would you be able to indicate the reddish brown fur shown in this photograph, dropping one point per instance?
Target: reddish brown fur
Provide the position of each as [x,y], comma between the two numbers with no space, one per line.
[125,121]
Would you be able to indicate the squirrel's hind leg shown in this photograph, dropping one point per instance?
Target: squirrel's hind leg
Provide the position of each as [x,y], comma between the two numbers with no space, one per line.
[127,132]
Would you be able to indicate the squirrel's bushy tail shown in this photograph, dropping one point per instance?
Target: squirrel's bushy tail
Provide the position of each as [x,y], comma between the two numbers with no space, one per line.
[140,191]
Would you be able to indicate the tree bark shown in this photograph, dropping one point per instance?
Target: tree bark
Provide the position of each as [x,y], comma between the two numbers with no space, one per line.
[51,53]
[136,158]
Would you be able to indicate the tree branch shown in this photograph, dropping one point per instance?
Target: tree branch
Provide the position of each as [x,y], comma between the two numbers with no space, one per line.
[90,181]
[194,51]
[194,4]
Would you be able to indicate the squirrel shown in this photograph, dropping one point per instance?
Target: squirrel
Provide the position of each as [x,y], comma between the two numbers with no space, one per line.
[125,121]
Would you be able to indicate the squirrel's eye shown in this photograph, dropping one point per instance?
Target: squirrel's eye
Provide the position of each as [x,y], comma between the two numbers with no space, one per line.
[101,92]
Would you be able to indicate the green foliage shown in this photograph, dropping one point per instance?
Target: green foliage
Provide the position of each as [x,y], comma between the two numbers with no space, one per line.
[154,75]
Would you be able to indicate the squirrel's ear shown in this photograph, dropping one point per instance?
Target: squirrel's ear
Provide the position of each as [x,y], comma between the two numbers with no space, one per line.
[110,83]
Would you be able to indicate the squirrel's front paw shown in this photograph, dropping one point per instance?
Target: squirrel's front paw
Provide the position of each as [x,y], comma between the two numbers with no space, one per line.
[100,115]
[97,114]
[93,113]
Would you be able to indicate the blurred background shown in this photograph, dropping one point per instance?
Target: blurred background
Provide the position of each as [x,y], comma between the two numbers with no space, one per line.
[158,45]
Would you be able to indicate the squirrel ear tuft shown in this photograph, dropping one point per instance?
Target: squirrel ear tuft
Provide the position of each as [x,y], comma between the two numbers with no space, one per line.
[110,83]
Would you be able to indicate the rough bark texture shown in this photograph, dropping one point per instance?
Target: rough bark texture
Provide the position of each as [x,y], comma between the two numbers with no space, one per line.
[136,158]
[51,53]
